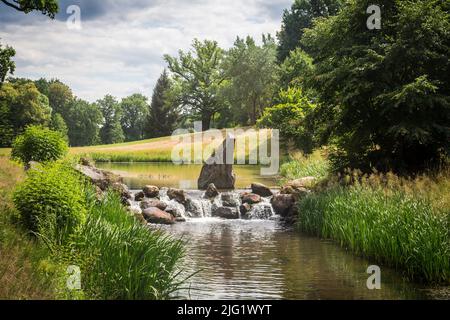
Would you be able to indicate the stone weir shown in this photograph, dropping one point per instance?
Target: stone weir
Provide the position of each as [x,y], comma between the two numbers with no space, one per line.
[169,205]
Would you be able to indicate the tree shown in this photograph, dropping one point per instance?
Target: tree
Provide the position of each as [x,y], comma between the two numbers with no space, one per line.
[252,71]
[59,96]
[163,116]
[200,79]
[300,17]
[6,64]
[59,125]
[47,7]
[21,104]
[385,93]
[290,116]
[295,69]
[134,116]
[111,131]
[84,123]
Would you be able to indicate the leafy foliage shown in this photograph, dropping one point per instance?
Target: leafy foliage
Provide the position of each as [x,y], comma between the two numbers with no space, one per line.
[164,114]
[252,74]
[289,116]
[384,93]
[39,144]
[300,17]
[199,79]
[6,64]
[134,113]
[51,202]
[46,7]
[111,131]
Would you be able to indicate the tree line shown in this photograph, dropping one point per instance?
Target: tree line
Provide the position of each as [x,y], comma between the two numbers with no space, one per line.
[52,104]
[376,98]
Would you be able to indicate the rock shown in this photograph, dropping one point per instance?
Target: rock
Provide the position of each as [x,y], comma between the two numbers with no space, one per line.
[176,209]
[153,203]
[180,219]
[122,190]
[177,194]
[139,217]
[211,191]
[262,190]
[218,169]
[86,162]
[101,178]
[139,196]
[283,204]
[230,199]
[155,215]
[244,208]
[305,182]
[298,193]
[226,213]
[250,198]
[194,208]
[151,191]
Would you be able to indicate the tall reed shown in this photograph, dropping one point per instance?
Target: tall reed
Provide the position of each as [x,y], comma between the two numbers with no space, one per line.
[388,219]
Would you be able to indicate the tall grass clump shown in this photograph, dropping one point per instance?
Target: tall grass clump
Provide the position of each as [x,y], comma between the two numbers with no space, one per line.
[122,259]
[298,166]
[392,220]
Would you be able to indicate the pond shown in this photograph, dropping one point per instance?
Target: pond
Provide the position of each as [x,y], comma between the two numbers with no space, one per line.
[260,259]
[137,174]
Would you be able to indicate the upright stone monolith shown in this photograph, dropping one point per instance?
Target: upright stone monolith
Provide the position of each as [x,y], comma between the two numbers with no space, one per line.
[218,169]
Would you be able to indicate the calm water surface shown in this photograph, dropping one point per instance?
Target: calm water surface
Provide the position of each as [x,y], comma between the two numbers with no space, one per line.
[261,259]
[136,175]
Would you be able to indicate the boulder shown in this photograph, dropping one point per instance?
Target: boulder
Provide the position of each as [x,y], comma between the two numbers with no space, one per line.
[151,191]
[218,169]
[139,196]
[298,193]
[153,203]
[230,199]
[194,208]
[211,191]
[244,208]
[305,182]
[122,190]
[155,215]
[262,190]
[283,204]
[250,198]
[101,178]
[226,213]
[86,162]
[178,194]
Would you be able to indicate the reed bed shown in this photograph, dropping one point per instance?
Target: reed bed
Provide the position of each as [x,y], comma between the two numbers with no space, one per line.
[404,223]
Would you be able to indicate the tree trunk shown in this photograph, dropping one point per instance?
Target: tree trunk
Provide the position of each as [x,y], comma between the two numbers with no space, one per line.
[206,121]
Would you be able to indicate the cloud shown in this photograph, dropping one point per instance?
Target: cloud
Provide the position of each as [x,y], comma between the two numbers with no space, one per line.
[120,46]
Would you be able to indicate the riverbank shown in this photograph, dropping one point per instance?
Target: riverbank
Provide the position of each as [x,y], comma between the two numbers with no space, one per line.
[22,260]
[52,218]
[400,222]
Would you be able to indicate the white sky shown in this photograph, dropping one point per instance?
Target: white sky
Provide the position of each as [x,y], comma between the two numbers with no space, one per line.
[120,46]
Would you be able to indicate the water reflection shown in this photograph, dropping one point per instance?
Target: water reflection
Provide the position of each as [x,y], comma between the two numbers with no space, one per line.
[136,174]
[262,260]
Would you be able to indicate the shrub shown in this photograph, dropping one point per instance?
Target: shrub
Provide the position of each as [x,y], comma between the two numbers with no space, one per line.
[39,144]
[290,117]
[51,201]
[122,259]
